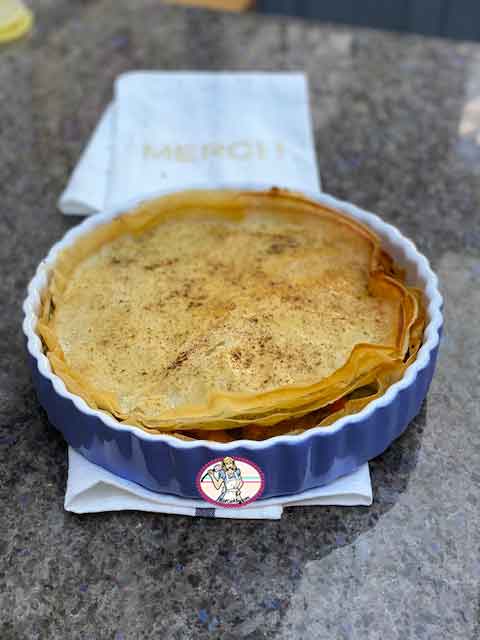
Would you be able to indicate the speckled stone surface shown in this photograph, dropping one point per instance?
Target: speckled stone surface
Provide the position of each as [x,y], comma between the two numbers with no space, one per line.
[397,129]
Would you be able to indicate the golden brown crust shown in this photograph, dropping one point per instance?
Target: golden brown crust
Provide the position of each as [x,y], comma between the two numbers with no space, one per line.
[215,310]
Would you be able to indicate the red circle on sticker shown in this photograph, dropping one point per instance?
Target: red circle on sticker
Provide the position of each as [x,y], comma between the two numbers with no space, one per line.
[230,481]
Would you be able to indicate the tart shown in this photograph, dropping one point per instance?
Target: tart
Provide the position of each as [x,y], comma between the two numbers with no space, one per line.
[229,315]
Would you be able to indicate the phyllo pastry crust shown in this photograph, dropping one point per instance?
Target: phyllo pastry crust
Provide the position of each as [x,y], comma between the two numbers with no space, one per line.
[228,315]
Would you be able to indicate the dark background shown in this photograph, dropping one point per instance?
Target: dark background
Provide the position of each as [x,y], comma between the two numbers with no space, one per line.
[458,19]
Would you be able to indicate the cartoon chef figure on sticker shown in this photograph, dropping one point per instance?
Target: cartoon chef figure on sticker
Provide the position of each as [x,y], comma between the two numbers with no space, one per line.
[223,481]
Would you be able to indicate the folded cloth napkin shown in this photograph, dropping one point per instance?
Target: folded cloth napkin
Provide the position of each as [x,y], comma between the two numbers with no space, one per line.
[168,130]
[175,129]
[91,488]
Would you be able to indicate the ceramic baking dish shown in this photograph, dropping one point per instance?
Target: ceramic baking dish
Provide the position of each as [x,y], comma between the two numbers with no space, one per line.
[290,464]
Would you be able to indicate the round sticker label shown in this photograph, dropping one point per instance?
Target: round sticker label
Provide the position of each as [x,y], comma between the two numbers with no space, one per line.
[230,482]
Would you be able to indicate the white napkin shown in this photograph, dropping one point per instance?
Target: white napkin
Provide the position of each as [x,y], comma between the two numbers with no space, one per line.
[170,129]
[91,489]
[175,129]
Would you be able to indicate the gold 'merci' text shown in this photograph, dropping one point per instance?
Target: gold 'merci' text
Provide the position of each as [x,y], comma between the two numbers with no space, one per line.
[241,150]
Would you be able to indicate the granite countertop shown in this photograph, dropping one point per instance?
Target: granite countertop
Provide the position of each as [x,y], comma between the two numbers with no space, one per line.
[397,129]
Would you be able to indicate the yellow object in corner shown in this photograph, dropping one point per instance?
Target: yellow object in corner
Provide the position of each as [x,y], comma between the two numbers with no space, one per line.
[15,20]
